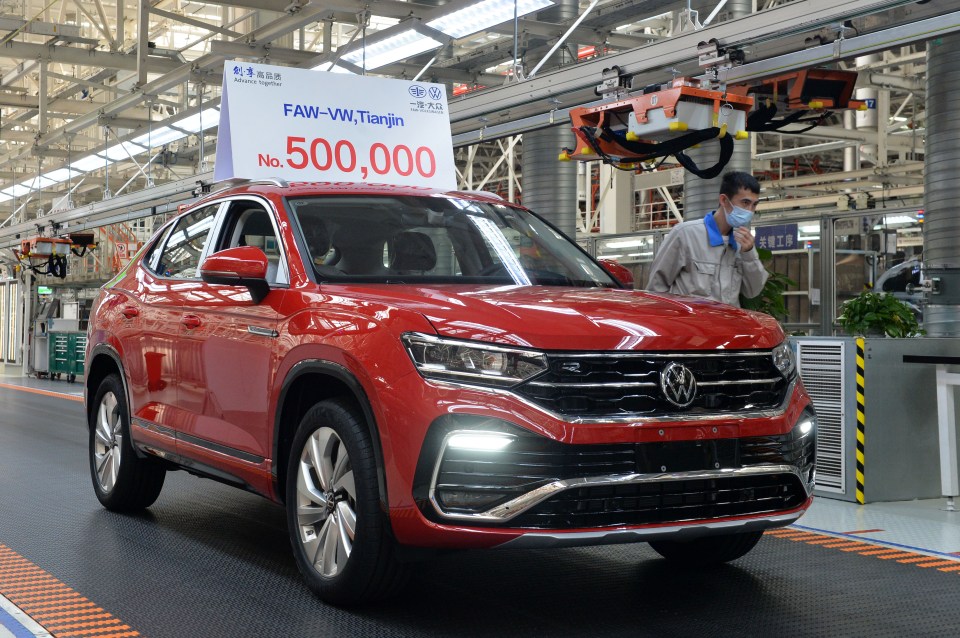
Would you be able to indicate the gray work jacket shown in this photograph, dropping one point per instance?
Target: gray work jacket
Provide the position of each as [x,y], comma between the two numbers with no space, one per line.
[695,260]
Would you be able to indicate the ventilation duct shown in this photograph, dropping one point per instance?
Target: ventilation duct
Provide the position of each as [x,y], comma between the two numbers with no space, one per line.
[941,228]
[700,196]
[550,186]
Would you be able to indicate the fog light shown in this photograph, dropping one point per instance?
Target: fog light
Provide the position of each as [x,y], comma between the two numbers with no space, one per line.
[479,441]
[807,425]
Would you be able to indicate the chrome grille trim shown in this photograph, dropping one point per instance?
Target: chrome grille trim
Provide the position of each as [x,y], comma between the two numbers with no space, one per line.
[549,539]
[664,355]
[680,418]
[587,387]
[523,503]
[637,384]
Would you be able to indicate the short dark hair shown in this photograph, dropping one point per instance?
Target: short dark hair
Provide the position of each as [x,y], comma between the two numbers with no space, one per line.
[734,181]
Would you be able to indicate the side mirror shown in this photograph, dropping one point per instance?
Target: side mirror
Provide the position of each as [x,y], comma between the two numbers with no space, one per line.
[240,266]
[620,272]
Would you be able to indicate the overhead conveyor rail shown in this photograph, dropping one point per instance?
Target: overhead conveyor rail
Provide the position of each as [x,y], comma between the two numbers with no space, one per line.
[546,100]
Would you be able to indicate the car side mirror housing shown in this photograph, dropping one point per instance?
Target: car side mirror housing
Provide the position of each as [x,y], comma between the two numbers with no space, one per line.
[619,272]
[240,266]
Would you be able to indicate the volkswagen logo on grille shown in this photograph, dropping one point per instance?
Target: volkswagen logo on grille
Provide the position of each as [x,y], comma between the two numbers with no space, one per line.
[678,385]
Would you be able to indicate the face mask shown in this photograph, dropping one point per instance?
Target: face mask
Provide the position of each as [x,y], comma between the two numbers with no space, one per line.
[739,217]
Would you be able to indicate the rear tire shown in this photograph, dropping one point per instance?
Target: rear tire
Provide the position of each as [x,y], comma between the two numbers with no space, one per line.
[340,537]
[710,550]
[122,481]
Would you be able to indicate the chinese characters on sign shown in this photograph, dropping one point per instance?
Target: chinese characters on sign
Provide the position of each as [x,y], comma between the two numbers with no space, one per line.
[782,237]
[304,125]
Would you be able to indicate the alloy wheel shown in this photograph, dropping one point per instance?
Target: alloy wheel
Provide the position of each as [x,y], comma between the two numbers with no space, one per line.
[108,442]
[326,502]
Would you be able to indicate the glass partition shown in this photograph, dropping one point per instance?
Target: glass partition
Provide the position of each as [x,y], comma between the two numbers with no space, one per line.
[634,252]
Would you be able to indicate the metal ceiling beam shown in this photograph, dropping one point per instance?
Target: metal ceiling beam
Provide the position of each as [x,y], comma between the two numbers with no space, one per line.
[176,17]
[847,48]
[583,34]
[82,57]
[259,50]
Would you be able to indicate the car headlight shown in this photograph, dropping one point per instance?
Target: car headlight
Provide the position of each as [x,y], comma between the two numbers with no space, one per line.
[472,362]
[784,360]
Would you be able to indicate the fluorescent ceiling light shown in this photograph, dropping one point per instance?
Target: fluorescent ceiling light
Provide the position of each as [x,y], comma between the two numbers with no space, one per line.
[59,175]
[89,163]
[4,197]
[627,243]
[483,15]
[123,151]
[810,229]
[398,47]
[18,190]
[159,137]
[899,219]
[199,121]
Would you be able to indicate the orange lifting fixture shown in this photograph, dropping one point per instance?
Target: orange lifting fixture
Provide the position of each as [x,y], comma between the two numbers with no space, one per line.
[809,96]
[48,255]
[663,120]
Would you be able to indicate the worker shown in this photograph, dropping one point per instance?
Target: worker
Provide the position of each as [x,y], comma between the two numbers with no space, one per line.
[714,257]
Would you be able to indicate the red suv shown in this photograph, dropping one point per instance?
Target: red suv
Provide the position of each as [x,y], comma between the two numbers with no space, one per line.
[405,368]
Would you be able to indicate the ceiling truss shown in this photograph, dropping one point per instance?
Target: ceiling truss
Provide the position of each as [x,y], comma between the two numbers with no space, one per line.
[79,76]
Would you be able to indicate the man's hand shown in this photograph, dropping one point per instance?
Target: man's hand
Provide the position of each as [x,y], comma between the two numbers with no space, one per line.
[743,237]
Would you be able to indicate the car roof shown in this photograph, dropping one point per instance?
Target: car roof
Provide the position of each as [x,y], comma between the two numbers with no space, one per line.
[281,188]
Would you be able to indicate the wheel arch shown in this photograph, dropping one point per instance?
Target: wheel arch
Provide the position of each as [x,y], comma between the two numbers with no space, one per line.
[104,361]
[308,383]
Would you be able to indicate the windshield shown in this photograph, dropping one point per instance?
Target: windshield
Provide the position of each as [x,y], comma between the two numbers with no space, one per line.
[438,239]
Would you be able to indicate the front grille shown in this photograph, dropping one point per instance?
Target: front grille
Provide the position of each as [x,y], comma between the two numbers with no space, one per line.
[471,481]
[667,502]
[618,385]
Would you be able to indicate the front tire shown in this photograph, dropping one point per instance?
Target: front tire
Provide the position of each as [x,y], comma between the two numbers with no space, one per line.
[122,481]
[710,550]
[339,535]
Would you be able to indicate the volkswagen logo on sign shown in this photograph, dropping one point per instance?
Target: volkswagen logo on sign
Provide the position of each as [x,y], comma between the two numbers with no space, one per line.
[678,385]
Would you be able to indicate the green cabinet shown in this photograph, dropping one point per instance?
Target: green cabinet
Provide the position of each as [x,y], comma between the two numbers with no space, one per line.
[67,351]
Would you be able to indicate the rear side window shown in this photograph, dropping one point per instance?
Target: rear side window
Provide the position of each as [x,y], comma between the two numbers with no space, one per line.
[181,254]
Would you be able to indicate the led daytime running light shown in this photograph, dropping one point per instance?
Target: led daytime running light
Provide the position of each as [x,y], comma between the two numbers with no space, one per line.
[472,362]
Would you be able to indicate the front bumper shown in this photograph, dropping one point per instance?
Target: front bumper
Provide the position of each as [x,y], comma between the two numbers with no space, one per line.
[536,483]
[685,532]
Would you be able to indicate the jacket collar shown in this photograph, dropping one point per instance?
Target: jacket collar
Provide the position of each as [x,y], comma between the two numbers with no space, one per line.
[713,233]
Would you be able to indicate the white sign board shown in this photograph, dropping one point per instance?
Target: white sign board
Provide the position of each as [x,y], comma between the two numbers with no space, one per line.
[304,125]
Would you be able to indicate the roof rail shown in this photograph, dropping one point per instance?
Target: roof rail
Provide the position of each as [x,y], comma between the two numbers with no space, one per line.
[487,193]
[240,181]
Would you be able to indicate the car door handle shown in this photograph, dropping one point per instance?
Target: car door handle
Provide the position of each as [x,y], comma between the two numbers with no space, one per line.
[130,312]
[190,321]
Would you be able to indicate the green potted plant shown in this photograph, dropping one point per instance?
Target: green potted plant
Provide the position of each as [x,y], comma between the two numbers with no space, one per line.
[877,314]
[771,299]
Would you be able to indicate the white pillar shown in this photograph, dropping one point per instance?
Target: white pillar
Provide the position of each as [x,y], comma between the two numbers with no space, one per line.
[616,200]
[26,294]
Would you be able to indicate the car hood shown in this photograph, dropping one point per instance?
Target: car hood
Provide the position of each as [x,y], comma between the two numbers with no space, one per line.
[579,318]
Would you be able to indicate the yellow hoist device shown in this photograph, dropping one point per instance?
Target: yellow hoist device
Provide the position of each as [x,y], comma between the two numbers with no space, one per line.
[660,121]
